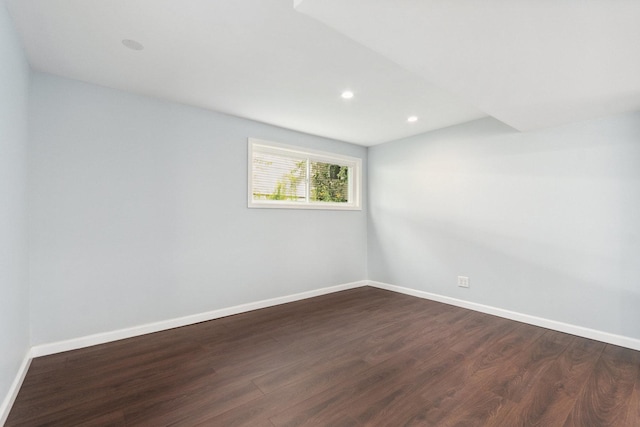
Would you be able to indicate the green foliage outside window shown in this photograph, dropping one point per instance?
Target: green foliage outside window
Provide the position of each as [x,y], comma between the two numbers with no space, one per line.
[329,183]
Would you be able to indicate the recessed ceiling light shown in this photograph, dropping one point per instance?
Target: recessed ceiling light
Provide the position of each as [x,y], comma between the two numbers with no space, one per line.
[412,119]
[132,44]
[347,94]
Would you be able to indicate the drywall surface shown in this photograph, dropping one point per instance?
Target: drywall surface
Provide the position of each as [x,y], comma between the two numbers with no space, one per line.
[14,290]
[543,223]
[138,213]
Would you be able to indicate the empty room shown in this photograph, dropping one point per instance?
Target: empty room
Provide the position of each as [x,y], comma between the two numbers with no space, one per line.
[319,213]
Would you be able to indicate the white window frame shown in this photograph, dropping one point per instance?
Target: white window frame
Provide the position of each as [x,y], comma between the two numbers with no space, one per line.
[355,177]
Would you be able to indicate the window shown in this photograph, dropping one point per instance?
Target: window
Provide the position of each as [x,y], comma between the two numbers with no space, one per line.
[282,176]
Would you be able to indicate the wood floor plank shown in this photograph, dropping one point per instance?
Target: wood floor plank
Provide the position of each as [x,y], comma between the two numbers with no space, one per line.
[361,357]
[533,363]
[189,409]
[633,410]
[280,399]
[550,399]
[112,419]
[384,404]
[483,370]
[308,366]
[604,399]
[338,401]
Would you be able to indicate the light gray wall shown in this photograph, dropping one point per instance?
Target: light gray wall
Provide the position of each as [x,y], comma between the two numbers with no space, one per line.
[138,213]
[544,223]
[14,291]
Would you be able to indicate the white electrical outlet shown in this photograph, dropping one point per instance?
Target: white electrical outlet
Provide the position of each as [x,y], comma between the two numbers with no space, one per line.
[463,281]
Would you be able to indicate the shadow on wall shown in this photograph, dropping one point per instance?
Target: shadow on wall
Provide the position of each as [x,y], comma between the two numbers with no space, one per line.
[534,277]
[544,223]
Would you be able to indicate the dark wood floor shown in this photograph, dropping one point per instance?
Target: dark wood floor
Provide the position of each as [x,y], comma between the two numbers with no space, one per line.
[353,358]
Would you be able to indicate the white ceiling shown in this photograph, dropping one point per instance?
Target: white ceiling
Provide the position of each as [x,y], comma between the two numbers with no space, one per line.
[258,59]
[528,63]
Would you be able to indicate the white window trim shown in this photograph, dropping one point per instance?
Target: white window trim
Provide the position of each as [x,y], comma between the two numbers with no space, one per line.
[355,177]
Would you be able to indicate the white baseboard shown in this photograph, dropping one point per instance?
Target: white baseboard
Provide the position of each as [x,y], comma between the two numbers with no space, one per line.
[101,338]
[90,340]
[580,331]
[7,403]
